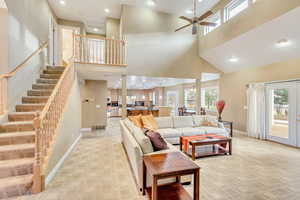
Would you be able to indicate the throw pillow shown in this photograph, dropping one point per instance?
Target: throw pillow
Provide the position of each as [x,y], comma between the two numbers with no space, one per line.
[210,123]
[157,141]
[137,120]
[149,122]
[142,140]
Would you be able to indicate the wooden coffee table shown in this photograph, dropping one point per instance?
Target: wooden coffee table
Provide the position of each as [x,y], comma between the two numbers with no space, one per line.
[219,145]
[167,165]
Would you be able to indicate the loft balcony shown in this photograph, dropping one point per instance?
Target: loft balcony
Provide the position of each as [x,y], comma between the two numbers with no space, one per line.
[95,50]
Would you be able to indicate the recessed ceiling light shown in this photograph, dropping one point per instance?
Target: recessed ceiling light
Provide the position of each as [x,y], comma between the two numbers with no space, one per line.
[189,12]
[283,43]
[96,29]
[62,2]
[151,3]
[233,59]
[107,10]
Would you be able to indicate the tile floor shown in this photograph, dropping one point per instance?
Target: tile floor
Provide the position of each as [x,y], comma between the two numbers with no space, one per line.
[98,170]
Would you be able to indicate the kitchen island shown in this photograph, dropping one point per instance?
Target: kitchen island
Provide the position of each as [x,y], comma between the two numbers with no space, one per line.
[143,111]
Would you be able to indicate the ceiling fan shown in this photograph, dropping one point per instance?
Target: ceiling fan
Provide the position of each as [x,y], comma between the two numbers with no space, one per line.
[197,20]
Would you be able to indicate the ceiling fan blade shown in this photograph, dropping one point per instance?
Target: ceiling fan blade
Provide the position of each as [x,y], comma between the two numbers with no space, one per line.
[183,27]
[194,30]
[185,18]
[205,15]
[208,24]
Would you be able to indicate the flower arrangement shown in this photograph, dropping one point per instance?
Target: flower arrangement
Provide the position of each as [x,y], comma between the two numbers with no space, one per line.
[220,107]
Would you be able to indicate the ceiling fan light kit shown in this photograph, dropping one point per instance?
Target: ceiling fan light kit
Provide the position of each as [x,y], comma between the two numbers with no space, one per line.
[196,20]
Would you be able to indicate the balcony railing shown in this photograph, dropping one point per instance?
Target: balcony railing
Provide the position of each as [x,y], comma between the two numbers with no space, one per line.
[99,50]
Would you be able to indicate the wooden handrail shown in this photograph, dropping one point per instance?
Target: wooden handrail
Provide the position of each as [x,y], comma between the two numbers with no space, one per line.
[23,64]
[4,78]
[98,37]
[46,125]
[50,100]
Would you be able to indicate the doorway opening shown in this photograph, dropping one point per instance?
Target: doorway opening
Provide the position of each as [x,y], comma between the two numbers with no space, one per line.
[67,35]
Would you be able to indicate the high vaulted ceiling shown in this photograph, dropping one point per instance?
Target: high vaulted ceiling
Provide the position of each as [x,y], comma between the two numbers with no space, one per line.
[92,14]
[259,47]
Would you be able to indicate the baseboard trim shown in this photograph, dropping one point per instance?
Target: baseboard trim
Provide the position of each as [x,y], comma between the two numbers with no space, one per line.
[54,171]
[239,132]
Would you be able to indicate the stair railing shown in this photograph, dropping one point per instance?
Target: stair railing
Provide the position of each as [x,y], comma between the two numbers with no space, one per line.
[4,77]
[46,124]
[99,50]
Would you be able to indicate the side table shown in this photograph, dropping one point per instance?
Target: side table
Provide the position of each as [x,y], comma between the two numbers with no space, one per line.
[168,165]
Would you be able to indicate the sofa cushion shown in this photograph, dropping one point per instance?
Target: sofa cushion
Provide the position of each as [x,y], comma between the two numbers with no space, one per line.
[137,120]
[209,120]
[210,123]
[129,125]
[173,140]
[157,141]
[189,131]
[164,122]
[183,121]
[214,130]
[198,120]
[142,140]
[171,148]
[149,122]
[169,132]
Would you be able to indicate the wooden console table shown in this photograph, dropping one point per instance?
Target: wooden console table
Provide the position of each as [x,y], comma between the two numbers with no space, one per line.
[168,165]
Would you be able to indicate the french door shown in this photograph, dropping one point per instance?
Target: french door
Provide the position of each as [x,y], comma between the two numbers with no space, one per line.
[283,112]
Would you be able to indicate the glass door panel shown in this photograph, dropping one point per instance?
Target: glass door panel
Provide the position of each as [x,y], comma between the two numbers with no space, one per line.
[281,113]
[280,110]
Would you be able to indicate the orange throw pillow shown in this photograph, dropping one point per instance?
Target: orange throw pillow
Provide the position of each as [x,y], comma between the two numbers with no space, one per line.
[149,122]
[137,120]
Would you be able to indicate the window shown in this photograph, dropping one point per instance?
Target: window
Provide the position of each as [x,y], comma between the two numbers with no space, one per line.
[216,18]
[234,8]
[209,97]
[190,98]
[173,101]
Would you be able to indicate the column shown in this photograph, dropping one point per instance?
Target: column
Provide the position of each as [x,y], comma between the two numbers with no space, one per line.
[124,96]
[198,96]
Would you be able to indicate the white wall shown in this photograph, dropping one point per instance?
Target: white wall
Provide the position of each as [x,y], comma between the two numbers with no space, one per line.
[155,50]
[69,127]
[28,28]
[3,40]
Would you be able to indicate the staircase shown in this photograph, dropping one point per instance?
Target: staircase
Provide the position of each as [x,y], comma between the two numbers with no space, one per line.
[17,137]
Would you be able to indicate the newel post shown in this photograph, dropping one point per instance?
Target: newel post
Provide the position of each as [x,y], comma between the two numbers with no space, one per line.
[38,179]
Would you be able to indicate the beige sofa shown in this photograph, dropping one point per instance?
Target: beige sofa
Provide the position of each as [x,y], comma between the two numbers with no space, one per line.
[137,144]
[171,128]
